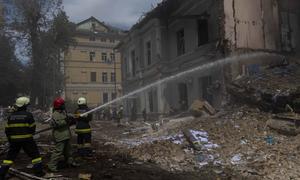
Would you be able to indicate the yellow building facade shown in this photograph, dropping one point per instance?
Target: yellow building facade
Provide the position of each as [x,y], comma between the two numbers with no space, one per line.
[92,68]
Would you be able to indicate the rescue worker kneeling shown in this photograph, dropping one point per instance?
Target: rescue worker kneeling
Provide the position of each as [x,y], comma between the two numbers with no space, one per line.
[19,131]
[62,136]
[83,129]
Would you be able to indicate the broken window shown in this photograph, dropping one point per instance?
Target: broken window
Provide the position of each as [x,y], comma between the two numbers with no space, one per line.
[133,64]
[104,57]
[113,96]
[104,77]
[92,56]
[180,42]
[206,83]
[105,98]
[202,32]
[93,76]
[113,77]
[148,53]
[289,31]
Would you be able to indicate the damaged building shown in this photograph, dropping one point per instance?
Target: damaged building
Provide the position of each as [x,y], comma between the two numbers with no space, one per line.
[179,35]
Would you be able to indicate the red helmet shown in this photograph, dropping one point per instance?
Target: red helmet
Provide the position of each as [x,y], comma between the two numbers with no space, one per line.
[58,103]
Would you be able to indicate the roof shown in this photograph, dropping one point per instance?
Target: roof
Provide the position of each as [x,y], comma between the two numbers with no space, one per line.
[162,10]
[109,27]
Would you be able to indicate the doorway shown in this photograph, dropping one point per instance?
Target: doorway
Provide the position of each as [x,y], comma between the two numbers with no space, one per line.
[183,96]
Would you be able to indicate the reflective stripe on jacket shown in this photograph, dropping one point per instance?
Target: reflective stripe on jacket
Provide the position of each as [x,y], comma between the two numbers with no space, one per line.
[20,126]
[82,123]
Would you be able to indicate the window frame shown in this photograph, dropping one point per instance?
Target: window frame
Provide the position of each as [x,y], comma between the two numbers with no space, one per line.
[180,38]
[104,77]
[92,56]
[93,77]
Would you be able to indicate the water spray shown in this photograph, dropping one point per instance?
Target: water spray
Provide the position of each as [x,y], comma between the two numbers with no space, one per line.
[220,62]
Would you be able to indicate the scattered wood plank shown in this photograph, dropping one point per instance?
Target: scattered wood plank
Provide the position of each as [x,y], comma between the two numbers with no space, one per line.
[24,175]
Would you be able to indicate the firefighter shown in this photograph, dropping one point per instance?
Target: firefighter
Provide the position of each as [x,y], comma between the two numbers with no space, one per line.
[120,115]
[60,123]
[83,128]
[19,131]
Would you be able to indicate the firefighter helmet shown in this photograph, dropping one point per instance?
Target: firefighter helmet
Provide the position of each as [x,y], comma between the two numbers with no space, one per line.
[58,103]
[22,101]
[82,101]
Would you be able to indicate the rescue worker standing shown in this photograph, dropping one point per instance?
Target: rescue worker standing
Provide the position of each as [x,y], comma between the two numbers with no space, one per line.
[19,131]
[83,128]
[120,115]
[62,136]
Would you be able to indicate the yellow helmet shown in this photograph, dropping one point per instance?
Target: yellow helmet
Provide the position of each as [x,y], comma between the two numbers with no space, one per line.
[81,101]
[22,101]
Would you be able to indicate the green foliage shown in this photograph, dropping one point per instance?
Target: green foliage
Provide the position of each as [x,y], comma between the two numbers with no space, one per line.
[48,32]
[11,73]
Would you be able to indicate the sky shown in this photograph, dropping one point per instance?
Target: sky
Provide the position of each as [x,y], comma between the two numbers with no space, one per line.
[119,13]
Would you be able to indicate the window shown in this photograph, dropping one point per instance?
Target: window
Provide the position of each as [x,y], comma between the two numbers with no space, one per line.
[112,40]
[104,57]
[93,26]
[202,32]
[103,40]
[133,62]
[92,56]
[148,52]
[105,98]
[113,96]
[112,57]
[92,38]
[113,77]
[104,77]
[180,42]
[93,76]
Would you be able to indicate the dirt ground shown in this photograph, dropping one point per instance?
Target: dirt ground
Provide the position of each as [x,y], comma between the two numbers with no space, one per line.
[236,144]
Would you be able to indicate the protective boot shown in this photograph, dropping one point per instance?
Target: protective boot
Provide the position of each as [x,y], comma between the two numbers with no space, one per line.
[3,172]
[38,170]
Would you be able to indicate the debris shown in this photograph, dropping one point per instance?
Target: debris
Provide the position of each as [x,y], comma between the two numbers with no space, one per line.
[21,174]
[85,176]
[284,124]
[236,159]
[200,108]
[209,108]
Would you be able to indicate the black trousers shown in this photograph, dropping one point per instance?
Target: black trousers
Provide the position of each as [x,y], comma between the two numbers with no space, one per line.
[29,147]
[84,138]
[84,144]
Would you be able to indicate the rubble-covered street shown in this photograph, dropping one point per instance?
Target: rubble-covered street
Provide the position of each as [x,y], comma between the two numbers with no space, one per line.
[233,144]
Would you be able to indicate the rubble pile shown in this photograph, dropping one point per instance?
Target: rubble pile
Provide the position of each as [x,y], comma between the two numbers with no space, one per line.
[251,149]
[271,90]
[237,139]
[168,155]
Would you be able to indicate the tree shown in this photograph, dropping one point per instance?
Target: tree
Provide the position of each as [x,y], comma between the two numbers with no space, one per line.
[48,31]
[53,42]
[11,73]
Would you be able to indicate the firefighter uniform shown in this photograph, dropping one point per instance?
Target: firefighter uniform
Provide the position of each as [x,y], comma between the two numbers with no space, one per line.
[19,131]
[62,137]
[83,129]
[120,115]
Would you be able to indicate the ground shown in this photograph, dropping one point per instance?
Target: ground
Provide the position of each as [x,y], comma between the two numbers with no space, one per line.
[235,144]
